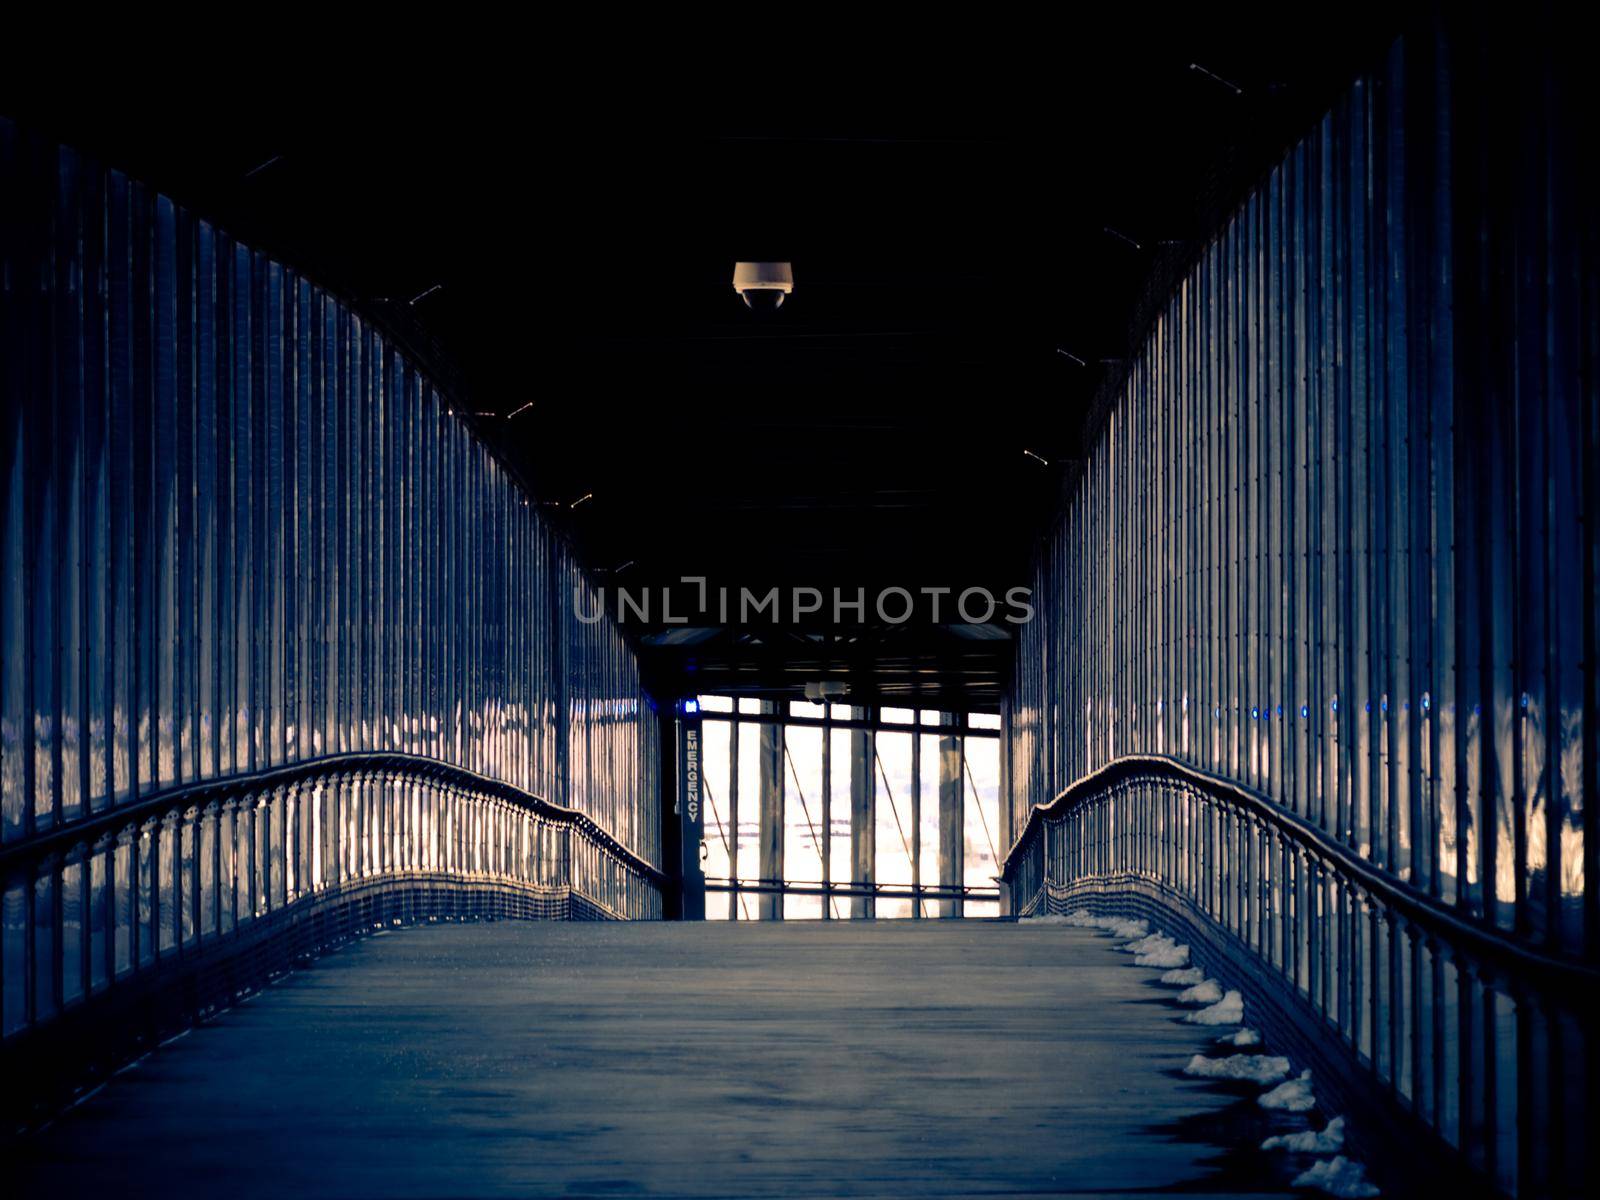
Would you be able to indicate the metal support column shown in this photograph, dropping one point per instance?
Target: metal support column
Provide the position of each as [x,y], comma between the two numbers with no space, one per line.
[733,820]
[916,824]
[952,817]
[863,842]
[827,813]
[689,805]
[771,801]
[1007,830]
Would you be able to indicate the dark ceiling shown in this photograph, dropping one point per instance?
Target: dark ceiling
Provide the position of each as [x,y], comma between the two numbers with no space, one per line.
[956,235]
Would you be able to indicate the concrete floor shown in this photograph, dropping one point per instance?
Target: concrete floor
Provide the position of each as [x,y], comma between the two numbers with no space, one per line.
[846,1059]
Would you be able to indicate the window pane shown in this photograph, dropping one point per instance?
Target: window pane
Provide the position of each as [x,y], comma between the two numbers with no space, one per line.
[893,775]
[802,812]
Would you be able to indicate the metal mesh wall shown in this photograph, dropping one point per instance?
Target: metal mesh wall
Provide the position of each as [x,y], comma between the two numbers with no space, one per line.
[1337,540]
[242,532]
[1337,543]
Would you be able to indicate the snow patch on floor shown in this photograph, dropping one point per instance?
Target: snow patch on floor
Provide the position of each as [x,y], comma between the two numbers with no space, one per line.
[1149,940]
[1046,919]
[1338,1176]
[1310,1141]
[1123,928]
[1175,956]
[1158,950]
[1206,992]
[1244,1037]
[1293,1096]
[1189,975]
[1251,1068]
[1227,1011]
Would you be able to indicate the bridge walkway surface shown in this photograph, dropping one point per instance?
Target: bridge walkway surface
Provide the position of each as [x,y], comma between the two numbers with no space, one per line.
[934,1058]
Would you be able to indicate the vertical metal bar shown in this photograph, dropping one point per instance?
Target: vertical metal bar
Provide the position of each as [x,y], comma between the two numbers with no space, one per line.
[916,816]
[863,815]
[733,820]
[771,810]
[952,816]
[827,811]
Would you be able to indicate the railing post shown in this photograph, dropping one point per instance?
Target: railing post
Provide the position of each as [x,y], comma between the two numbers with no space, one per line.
[189,870]
[278,846]
[145,897]
[70,937]
[102,919]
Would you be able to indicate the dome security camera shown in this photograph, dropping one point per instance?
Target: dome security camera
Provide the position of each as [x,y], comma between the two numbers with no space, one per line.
[763,285]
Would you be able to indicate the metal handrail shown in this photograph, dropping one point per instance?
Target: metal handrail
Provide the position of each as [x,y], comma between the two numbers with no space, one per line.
[94,826]
[1422,910]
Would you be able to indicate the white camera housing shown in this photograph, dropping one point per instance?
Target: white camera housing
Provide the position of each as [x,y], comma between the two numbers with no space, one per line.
[763,285]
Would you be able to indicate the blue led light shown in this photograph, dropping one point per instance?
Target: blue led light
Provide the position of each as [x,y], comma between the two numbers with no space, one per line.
[1305,711]
[690,707]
